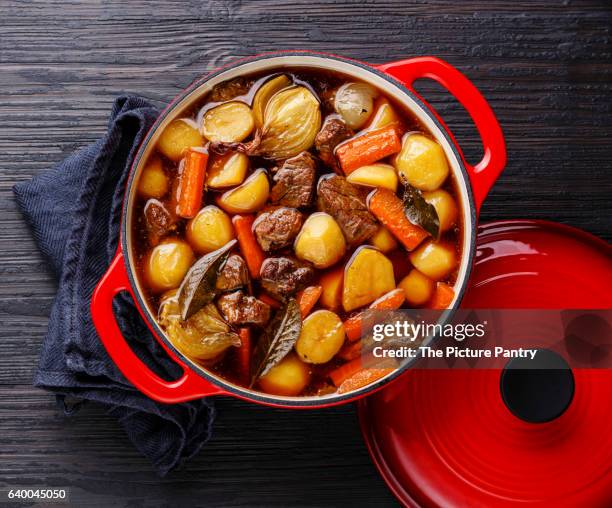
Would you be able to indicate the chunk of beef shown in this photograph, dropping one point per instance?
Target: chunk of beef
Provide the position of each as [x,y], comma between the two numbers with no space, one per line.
[158,221]
[346,203]
[333,132]
[239,309]
[328,97]
[228,90]
[283,276]
[277,227]
[294,182]
[234,274]
[246,147]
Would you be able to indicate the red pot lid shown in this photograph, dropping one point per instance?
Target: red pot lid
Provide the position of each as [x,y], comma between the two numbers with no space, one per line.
[446,438]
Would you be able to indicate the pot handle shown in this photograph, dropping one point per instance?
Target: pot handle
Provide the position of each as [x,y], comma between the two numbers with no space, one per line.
[188,387]
[483,174]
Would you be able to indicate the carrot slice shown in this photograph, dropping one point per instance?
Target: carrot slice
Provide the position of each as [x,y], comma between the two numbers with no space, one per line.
[251,251]
[442,297]
[352,327]
[191,184]
[272,302]
[368,148]
[389,210]
[389,301]
[350,351]
[362,378]
[345,371]
[392,300]
[244,356]
[308,298]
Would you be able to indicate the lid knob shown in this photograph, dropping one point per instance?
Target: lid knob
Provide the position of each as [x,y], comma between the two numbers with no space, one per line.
[537,390]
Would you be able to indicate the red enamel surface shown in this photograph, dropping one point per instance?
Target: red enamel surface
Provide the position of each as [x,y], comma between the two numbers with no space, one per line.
[445,438]
[190,385]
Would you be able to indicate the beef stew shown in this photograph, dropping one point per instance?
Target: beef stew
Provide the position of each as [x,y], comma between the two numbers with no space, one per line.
[289,190]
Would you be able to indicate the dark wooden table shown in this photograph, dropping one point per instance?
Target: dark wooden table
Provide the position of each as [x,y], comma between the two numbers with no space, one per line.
[545,67]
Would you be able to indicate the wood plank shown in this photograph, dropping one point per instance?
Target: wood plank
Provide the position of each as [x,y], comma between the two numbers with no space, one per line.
[545,67]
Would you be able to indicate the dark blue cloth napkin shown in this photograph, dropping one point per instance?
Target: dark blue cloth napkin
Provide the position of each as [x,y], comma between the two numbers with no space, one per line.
[74,211]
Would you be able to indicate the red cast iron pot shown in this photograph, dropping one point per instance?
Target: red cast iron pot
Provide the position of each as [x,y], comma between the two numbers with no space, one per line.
[396,80]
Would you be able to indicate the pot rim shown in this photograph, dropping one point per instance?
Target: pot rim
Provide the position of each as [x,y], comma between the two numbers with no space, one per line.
[316,400]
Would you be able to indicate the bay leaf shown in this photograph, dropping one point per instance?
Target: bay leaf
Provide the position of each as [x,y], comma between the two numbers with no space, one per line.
[420,212]
[278,339]
[198,286]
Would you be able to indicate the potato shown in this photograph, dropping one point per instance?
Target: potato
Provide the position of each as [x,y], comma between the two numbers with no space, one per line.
[422,162]
[436,260]
[248,197]
[383,115]
[166,264]
[331,284]
[227,170]
[209,230]
[418,287]
[153,182]
[288,378]
[367,275]
[320,241]
[383,240]
[355,103]
[375,175]
[265,93]
[177,137]
[229,122]
[445,206]
[321,337]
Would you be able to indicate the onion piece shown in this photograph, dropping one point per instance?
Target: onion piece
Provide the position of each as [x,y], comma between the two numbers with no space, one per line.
[355,103]
[205,336]
[291,122]
[265,93]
